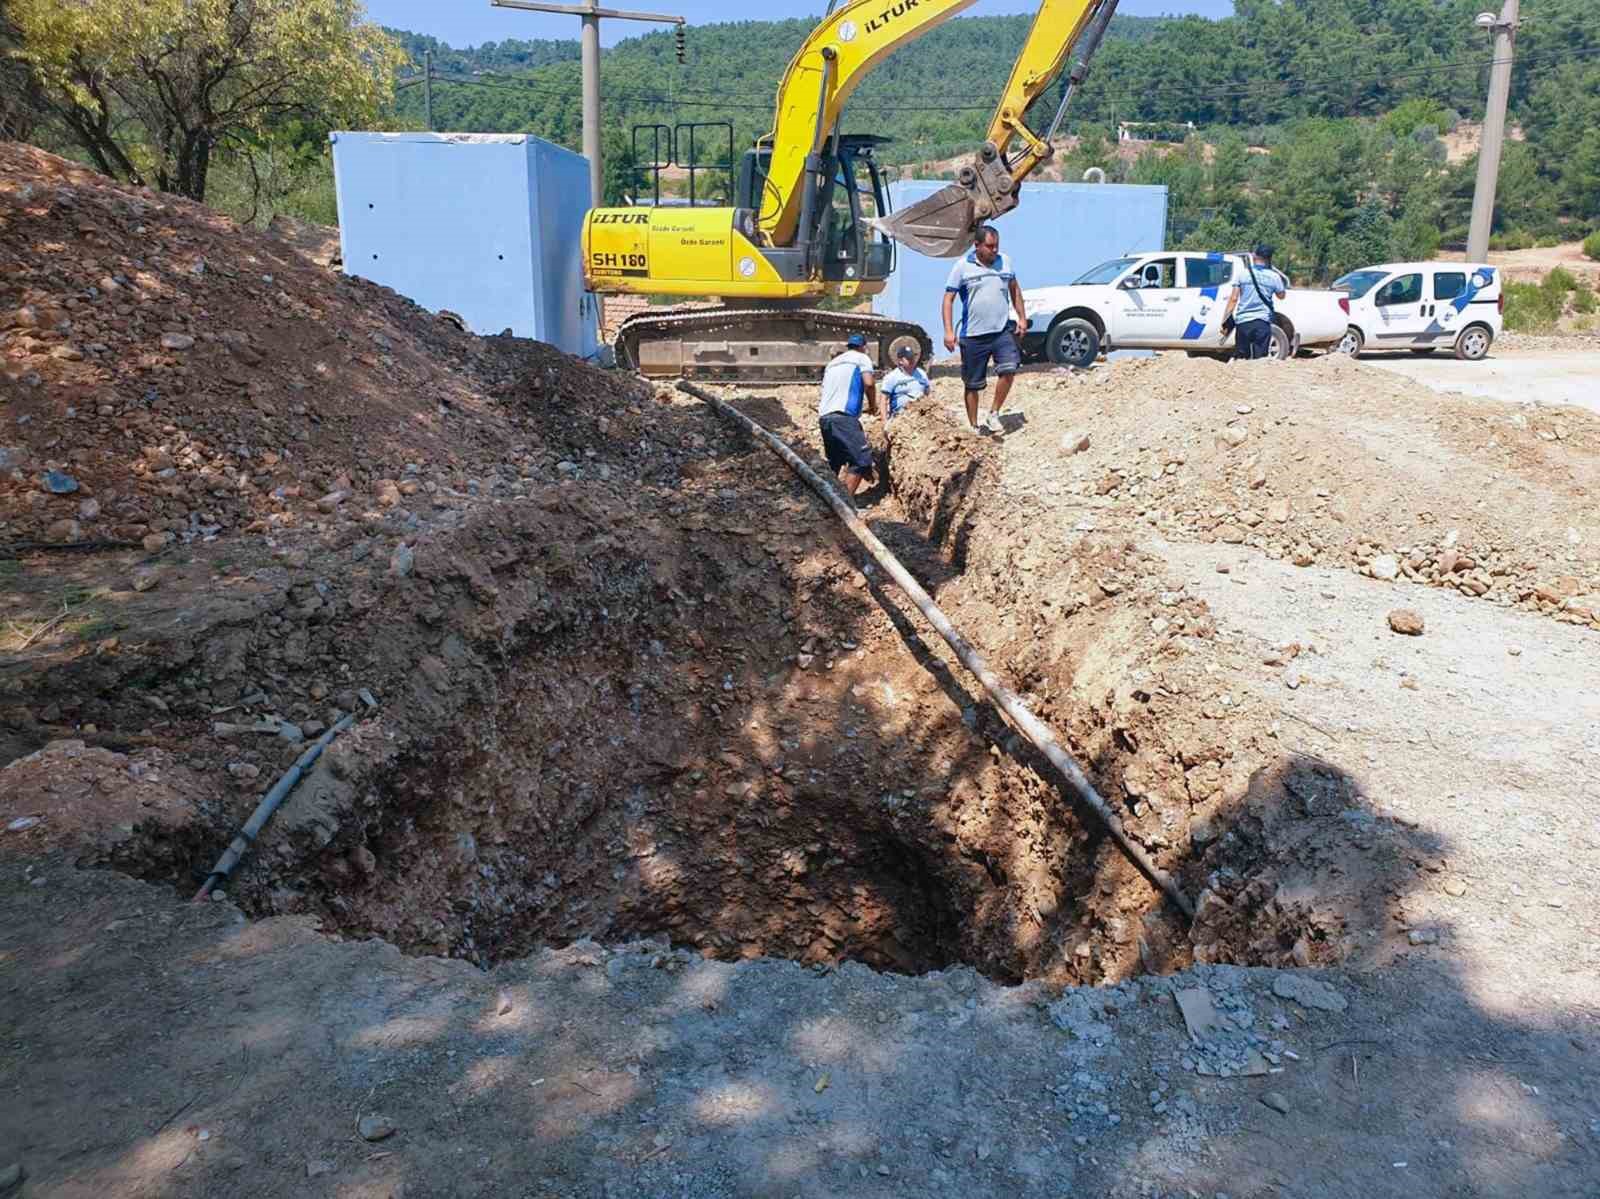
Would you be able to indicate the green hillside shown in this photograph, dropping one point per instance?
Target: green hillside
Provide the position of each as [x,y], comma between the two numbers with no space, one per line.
[1349,99]
[1273,62]
[732,75]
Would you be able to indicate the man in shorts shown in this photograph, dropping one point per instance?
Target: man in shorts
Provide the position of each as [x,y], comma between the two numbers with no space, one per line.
[992,313]
[847,388]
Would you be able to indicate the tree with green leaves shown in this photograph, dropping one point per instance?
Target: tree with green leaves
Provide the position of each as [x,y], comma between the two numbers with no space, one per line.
[150,90]
[1369,239]
[20,101]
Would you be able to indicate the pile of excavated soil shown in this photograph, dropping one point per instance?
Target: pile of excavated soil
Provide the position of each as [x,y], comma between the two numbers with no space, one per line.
[179,377]
[615,675]
[1327,461]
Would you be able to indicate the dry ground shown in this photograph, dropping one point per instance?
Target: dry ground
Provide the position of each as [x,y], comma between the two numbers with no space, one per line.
[1427,803]
[1553,371]
[631,682]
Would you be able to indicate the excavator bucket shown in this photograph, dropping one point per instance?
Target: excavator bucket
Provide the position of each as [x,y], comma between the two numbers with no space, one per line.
[940,226]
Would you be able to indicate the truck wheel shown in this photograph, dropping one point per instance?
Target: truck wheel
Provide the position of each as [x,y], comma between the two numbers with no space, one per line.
[1350,343]
[1474,342]
[1072,342]
[1282,344]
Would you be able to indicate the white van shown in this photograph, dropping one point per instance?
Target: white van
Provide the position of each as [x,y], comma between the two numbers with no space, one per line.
[1421,306]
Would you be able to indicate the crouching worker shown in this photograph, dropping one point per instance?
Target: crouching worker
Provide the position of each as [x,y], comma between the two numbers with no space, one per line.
[847,388]
[906,384]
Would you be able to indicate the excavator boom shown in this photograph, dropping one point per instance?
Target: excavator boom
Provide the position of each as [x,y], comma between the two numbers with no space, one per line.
[807,213]
[942,226]
[841,51]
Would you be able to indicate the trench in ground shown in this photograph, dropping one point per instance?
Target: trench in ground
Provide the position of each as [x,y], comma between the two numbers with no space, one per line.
[766,821]
[779,849]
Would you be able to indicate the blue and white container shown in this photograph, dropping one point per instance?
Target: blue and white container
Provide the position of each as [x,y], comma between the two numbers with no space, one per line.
[486,225]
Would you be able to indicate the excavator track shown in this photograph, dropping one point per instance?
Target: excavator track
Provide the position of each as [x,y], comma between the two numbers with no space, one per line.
[755,344]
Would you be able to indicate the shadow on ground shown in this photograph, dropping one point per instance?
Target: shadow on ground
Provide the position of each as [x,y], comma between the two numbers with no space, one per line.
[843,809]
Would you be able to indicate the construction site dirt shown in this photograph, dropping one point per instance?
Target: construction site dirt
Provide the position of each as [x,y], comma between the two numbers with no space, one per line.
[638,722]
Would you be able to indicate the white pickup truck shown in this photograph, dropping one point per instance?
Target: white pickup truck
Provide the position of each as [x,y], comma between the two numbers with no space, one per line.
[1167,300]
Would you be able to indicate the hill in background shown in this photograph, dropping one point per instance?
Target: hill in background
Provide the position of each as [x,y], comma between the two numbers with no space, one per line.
[1331,127]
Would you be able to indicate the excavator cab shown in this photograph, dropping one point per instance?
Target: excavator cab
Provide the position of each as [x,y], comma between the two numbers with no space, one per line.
[851,197]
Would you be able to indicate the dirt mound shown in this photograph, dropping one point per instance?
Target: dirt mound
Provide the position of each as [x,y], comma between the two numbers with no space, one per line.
[1329,461]
[1118,654]
[170,375]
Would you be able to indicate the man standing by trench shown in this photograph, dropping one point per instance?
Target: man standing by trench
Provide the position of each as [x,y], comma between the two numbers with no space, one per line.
[847,388]
[992,313]
[1250,305]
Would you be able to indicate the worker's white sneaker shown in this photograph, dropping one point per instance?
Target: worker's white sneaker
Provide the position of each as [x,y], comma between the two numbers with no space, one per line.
[992,423]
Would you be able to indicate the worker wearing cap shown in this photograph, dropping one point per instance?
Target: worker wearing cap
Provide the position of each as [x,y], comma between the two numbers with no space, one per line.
[1250,306]
[906,384]
[847,389]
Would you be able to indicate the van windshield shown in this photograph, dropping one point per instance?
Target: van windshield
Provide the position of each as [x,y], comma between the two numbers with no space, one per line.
[1106,272]
[1359,283]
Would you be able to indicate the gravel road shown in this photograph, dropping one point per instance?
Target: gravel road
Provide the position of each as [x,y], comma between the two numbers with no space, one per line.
[1514,377]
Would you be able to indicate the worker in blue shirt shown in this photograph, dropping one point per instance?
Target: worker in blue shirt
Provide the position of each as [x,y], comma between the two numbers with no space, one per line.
[847,391]
[992,315]
[907,383]
[1251,307]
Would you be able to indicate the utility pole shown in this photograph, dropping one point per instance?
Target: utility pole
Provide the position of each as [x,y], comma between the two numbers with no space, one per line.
[427,87]
[592,14]
[1504,28]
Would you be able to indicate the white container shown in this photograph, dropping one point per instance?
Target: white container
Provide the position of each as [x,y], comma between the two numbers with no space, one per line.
[486,225]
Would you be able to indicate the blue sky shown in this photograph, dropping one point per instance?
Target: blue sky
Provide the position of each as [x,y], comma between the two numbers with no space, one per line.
[468,22]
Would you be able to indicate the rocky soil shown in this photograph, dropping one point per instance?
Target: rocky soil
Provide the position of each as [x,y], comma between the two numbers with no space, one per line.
[616,675]
[637,718]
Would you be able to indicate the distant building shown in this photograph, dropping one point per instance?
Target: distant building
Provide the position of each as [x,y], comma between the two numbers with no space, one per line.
[1152,131]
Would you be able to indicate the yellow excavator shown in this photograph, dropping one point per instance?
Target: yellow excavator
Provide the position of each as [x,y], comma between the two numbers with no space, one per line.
[810,216]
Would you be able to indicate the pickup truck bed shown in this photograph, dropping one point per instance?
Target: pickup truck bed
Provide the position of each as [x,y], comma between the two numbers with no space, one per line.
[1166,300]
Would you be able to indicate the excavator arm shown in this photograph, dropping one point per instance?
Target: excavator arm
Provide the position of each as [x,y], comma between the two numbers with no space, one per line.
[848,43]
[942,225]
